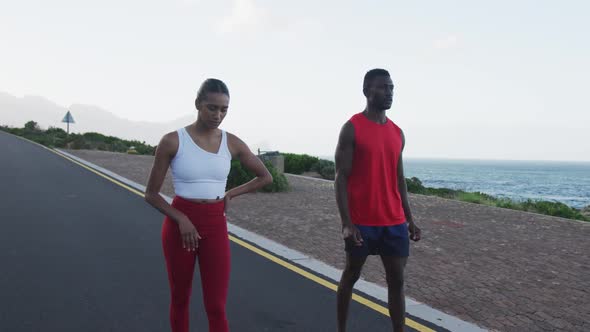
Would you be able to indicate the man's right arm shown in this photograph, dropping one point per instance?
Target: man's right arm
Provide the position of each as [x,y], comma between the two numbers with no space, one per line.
[344,155]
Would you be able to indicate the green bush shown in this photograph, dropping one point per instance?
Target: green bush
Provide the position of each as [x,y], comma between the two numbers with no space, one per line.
[31,126]
[58,138]
[78,142]
[441,192]
[328,172]
[415,186]
[239,175]
[299,163]
[279,181]
[325,168]
[507,204]
[469,197]
[476,197]
[143,148]
[557,209]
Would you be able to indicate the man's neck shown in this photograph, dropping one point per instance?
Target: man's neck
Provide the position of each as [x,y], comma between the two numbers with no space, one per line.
[375,115]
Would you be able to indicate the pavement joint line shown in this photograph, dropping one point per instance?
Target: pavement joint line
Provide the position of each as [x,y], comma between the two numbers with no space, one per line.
[279,254]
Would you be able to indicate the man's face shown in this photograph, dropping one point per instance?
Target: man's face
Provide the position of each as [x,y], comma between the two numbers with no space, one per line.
[380,93]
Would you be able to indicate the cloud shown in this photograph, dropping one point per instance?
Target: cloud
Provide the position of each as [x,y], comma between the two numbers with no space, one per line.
[446,42]
[244,15]
[296,29]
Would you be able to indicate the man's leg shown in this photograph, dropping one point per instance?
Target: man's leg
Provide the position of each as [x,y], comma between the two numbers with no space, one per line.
[350,275]
[394,273]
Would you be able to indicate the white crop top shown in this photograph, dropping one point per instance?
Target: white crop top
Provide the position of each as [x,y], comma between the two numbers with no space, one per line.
[199,174]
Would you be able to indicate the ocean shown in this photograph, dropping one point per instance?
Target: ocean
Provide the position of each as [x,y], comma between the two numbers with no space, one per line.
[566,182]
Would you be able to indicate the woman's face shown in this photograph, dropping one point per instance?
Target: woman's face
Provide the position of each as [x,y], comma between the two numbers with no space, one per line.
[213,109]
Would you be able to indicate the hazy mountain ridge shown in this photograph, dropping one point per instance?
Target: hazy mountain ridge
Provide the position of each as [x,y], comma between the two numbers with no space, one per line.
[15,112]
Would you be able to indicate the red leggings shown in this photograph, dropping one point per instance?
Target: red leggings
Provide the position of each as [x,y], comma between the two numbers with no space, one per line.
[214,264]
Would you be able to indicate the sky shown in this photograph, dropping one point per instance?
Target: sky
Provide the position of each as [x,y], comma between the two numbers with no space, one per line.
[473,79]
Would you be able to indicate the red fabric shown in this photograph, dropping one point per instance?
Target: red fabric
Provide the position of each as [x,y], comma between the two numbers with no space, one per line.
[214,264]
[373,195]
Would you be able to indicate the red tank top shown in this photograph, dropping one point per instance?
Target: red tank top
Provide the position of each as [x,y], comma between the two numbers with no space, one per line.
[373,195]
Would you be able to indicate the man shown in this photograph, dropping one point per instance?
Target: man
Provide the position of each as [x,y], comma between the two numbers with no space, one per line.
[372,197]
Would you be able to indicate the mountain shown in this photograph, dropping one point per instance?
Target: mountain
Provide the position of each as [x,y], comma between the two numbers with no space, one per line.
[15,112]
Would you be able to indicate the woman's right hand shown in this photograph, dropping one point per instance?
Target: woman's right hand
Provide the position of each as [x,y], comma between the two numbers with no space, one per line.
[189,234]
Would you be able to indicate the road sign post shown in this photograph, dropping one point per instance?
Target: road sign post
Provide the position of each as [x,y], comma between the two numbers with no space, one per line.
[68,118]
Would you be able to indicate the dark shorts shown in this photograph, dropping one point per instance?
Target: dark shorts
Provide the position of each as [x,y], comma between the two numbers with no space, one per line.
[381,240]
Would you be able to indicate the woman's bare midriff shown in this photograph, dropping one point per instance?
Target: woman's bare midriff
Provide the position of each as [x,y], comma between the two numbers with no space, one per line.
[204,201]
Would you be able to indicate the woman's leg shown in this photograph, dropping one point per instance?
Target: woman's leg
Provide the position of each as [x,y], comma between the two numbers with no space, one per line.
[181,265]
[214,266]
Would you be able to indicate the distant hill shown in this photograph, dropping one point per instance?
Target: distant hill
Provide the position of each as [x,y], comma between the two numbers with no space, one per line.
[16,112]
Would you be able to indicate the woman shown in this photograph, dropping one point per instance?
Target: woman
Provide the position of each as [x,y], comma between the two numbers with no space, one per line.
[199,156]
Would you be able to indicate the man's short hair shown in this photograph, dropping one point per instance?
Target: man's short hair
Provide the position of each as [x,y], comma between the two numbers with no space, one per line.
[370,76]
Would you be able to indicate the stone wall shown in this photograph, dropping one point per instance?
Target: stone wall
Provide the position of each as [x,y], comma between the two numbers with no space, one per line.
[277,160]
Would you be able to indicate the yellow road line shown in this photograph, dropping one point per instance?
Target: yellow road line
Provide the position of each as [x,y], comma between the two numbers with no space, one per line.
[119,183]
[371,304]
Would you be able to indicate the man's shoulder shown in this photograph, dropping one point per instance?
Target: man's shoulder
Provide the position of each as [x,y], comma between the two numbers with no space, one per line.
[347,132]
[394,125]
[356,117]
[392,122]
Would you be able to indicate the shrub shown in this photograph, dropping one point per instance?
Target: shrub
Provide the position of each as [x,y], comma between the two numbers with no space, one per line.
[325,168]
[78,142]
[469,197]
[441,192]
[279,181]
[31,126]
[57,137]
[328,172]
[299,163]
[239,175]
[557,209]
[415,185]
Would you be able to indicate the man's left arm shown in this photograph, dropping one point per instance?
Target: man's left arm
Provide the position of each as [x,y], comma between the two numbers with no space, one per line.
[403,191]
